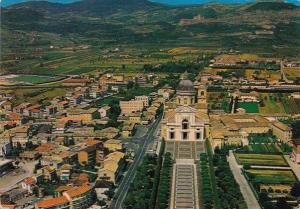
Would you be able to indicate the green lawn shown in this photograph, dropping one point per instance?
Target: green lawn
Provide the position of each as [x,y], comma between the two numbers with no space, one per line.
[250,107]
[260,159]
[272,176]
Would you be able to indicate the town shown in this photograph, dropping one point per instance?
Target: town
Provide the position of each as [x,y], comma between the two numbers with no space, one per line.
[223,135]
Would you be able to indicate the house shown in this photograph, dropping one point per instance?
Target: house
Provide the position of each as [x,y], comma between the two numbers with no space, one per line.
[131,106]
[5,148]
[29,155]
[91,152]
[247,97]
[48,172]
[29,184]
[50,110]
[75,198]
[295,156]
[296,95]
[5,166]
[104,111]
[145,100]
[281,131]
[128,129]
[113,145]
[101,187]
[86,115]
[112,167]
[20,135]
[6,106]
[107,133]
[65,172]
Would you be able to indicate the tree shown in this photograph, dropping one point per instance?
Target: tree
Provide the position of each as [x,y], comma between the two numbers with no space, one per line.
[295,191]
[282,204]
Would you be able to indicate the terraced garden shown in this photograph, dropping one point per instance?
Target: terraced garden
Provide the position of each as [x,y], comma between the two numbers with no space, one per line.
[271,176]
[262,148]
[260,159]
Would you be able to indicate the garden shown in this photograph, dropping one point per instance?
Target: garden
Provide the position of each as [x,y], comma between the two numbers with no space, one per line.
[250,107]
[261,149]
[262,138]
[261,159]
[271,176]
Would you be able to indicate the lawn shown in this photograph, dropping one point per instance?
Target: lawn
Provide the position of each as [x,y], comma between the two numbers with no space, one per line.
[271,176]
[33,79]
[250,107]
[260,159]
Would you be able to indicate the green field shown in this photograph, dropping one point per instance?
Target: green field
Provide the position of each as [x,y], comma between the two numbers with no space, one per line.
[271,176]
[250,107]
[33,79]
[260,159]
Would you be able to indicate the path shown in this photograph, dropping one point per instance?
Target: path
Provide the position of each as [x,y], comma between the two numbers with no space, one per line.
[295,167]
[184,193]
[247,193]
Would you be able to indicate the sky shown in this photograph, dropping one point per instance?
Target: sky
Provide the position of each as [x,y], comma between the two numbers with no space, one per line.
[6,3]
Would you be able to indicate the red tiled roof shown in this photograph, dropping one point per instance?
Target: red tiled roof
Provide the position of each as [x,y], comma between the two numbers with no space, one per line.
[79,190]
[52,202]
[29,181]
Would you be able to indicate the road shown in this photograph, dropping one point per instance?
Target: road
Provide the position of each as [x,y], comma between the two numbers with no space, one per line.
[143,141]
[9,181]
[283,74]
[246,191]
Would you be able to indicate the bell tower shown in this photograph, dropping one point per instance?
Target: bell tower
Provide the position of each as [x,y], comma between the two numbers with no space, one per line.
[202,93]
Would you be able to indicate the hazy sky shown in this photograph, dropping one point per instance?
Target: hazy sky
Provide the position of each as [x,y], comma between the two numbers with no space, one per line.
[172,2]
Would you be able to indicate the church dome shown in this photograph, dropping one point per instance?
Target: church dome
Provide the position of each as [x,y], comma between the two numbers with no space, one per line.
[186,85]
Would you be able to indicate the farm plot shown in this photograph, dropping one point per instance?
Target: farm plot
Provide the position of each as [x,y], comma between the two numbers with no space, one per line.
[33,79]
[291,106]
[271,176]
[270,104]
[261,159]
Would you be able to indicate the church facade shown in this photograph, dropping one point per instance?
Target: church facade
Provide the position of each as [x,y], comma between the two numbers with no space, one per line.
[185,117]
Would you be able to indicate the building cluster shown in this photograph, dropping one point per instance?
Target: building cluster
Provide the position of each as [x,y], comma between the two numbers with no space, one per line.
[62,145]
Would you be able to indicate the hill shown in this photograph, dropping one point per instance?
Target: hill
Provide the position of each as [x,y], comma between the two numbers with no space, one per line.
[42,36]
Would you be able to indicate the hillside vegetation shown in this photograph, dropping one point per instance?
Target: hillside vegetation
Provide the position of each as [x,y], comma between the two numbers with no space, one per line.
[42,37]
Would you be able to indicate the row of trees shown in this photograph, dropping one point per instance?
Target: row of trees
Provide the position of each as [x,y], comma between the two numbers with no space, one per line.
[206,186]
[163,194]
[151,186]
[228,190]
[139,193]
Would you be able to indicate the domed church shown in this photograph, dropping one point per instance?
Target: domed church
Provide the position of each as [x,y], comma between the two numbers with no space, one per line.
[185,118]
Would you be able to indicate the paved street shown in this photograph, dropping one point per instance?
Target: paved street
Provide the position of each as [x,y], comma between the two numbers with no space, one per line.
[143,140]
[295,167]
[10,180]
[247,193]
